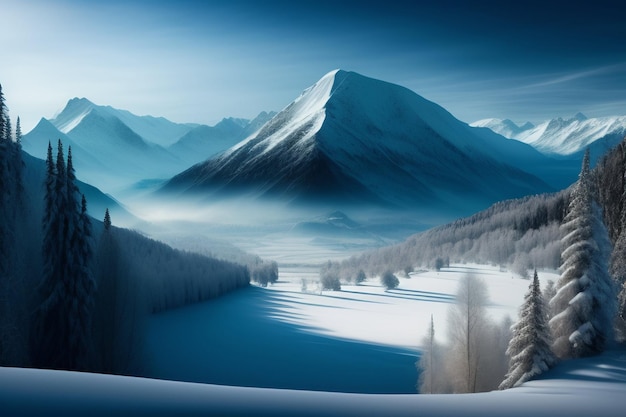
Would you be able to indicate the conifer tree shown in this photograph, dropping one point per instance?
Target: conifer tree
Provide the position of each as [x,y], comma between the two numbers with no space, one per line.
[84,288]
[8,130]
[63,318]
[621,313]
[18,133]
[3,116]
[107,220]
[529,349]
[17,163]
[585,302]
[50,335]
[618,271]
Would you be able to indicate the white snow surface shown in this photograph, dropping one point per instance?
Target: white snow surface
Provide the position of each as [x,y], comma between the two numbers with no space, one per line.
[306,110]
[593,386]
[559,136]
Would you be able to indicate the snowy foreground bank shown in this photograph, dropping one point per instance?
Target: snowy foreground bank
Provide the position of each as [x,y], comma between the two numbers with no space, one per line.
[587,387]
[278,351]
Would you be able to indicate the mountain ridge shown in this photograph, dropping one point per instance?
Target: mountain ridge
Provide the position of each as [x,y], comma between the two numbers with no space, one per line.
[566,138]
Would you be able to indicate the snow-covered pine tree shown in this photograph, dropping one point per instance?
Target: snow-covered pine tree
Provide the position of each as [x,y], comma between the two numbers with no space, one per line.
[17,165]
[5,229]
[427,364]
[618,271]
[8,130]
[621,313]
[18,133]
[4,182]
[585,302]
[529,349]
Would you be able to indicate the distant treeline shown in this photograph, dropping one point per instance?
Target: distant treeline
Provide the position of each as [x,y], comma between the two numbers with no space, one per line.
[522,234]
[519,234]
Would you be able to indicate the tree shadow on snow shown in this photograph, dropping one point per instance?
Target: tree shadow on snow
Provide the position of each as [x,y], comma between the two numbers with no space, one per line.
[246,338]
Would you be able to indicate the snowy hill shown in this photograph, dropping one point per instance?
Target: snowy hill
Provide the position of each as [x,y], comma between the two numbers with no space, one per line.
[353,140]
[564,137]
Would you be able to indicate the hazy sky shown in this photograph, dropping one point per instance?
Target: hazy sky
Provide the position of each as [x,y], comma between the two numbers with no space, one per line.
[200,61]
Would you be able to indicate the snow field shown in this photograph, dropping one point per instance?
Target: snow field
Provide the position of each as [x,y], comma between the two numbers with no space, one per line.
[361,339]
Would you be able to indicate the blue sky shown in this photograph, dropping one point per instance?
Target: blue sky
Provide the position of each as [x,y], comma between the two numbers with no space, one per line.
[199,61]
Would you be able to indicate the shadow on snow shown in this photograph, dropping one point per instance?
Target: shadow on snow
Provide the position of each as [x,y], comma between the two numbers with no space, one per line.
[245,339]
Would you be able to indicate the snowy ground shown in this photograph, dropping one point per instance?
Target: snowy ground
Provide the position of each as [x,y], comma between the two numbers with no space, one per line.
[361,339]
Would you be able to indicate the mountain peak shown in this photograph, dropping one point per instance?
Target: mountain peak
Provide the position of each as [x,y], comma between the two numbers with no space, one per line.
[579,117]
[353,140]
[75,110]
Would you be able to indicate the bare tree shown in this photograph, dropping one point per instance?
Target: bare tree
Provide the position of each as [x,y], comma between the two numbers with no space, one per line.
[467,323]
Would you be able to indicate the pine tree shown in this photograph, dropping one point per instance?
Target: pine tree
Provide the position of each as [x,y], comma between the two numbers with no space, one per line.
[529,349]
[618,271]
[84,287]
[3,116]
[585,302]
[18,164]
[11,237]
[107,220]
[63,319]
[621,313]
[18,133]
[50,335]
[8,130]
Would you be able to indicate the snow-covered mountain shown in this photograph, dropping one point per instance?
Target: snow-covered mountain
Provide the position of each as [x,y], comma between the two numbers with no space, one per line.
[564,137]
[156,130]
[353,140]
[114,148]
[204,141]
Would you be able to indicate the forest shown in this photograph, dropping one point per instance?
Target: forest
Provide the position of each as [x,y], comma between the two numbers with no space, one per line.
[75,291]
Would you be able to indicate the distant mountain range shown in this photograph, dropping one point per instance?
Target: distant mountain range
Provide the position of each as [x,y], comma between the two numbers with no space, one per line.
[346,141]
[564,138]
[114,148]
[350,140]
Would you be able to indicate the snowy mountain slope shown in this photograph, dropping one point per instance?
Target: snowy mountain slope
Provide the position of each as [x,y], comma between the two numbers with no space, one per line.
[202,142]
[36,142]
[564,137]
[356,140]
[504,127]
[156,130]
[97,201]
[107,153]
